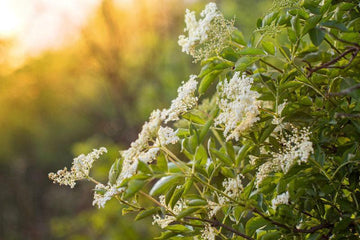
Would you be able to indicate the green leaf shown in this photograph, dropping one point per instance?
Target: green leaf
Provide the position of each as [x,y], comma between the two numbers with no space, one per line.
[266,133]
[268,47]
[271,236]
[311,23]
[251,51]
[143,167]
[166,235]
[146,213]
[316,36]
[178,228]
[238,37]
[176,196]
[134,186]
[193,118]
[222,157]
[187,212]
[254,224]
[295,25]
[201,155]
[197,202]
[244,62]
[114,171]
[242,153]
[334,24]
[162,163]
[164,183]
[169,194]
[207,80]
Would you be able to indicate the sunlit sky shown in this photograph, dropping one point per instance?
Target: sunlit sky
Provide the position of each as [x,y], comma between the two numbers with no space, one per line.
[38,25]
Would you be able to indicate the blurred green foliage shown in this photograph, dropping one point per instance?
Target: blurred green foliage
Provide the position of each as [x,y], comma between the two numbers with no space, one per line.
[65,102]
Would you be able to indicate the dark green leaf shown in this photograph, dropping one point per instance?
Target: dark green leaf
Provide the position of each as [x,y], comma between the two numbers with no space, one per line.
[316,36]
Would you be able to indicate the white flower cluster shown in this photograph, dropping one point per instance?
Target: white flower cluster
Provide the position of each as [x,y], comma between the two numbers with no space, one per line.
[238,106]
[163,222]
[280,199]
[79,170]
[297,149]
[103,193]
[233,188]
[145,148]
[185,100]
[208,233]
[211,32]
[153,135]
[166,136]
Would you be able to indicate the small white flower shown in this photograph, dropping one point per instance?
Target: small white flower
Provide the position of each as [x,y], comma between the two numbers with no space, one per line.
[167,135]
[207,36]
[297,149]
[208,233]
[233,186]
[164,221]
[100,199]
[280,199]
[79,170]
[238,106]
[185,100]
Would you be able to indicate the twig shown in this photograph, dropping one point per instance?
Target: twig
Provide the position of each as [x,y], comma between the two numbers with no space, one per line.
[347,115]
[345,91]
[216,223]
[269,64]
[353,50]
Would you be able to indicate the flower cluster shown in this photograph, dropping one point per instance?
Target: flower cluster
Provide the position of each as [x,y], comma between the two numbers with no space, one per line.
[233,188]
[238,106]
[207,36]
[103,193]
[208,233]
[297,149]
[79,170]
[185,100]
[280,199]
[164,221]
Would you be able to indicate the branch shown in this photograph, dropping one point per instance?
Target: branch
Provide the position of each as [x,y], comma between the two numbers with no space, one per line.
[345,91]
[314,229]
[347,115]
[353,50]
[216,223]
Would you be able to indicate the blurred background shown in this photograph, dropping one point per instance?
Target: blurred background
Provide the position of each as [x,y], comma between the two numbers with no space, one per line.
[77,75]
